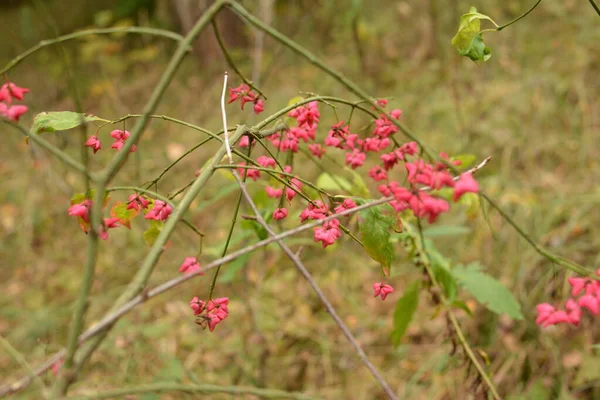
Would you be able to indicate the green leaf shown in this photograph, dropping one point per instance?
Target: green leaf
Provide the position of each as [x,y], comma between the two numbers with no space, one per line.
[473,203]
[488,291]
[119,210]
[405,309]
[466,160]
[359,187]
[61,121]
[442,271]
[330,182]
[375,235]
[152,233]
[468,40]
[261,232]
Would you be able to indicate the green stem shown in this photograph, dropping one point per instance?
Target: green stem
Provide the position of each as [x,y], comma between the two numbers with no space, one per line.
[136,133]
[519,17]
[19,358]
[193,388]
[230,60]
[61,155]
[44,43]
[69,371]
[596,7]
[229,235]
[540,250]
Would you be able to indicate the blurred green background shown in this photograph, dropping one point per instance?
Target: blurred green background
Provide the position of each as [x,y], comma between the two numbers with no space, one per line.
[534,107]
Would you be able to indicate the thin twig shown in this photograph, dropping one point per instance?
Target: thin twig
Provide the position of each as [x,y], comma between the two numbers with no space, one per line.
[19,358]
[89,32]
[596,7]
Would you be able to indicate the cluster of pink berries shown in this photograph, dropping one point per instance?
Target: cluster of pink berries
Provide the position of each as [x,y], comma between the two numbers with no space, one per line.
[160,211]
[8,92]
[589,299]
[119,136]
[246,95]
[420,174]
[208,313]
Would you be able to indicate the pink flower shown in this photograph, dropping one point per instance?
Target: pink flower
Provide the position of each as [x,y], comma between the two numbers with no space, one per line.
[12,113]
[389,160]
[81,210]
[137,202]
[466,183]
[355,159]
[544,311]
[259,106]
[307,116]
[94,143]
[315,210]
[10,90]
[347,204]
[289,142]
[213,321]
[160,211]
[378,173]
[190,265]
[272,192]
[280,213]
[217,311]
[577,285]
[244,141]
[382,289]
[197,305]
[235,93]
[590,302]
[397,113]
[57,365]
[557,317]
[316,149]
[289,192]
[382,102]
[251,173]
[303,133]
[266,162]
[384,127]
[111,223]
[328,233]
[120,135]
[573,311]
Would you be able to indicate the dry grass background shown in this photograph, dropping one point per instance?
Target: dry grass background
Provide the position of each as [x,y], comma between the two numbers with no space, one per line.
[534,107]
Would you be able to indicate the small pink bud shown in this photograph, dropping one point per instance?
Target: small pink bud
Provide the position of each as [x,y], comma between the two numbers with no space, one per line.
[280,213]
[466,183]
[577,285]
[190,265]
